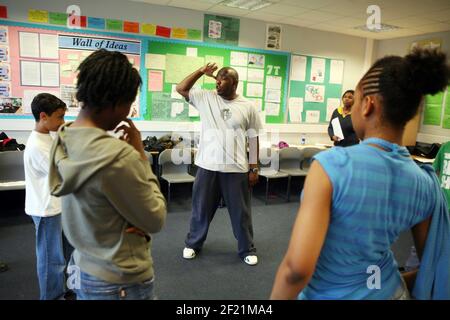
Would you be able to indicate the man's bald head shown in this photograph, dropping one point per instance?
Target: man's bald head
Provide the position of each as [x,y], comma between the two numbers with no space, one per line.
[229,72]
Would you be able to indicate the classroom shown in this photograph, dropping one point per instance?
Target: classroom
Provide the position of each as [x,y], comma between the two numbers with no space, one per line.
[253,131]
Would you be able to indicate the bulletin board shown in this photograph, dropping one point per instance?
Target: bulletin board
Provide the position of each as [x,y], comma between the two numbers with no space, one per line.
[37,58]
[437,110]
[263,77]
[315,88]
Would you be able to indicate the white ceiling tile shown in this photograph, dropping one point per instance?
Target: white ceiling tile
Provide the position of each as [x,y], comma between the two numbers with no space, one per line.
[318,16]
[414,16]
[348,22]
[298,22]
[193,5]
[161,2]
[221,9]
[264,16]
[348,7]
[410,22]
[311,4]
[436,27]
[439,16]
[283,9]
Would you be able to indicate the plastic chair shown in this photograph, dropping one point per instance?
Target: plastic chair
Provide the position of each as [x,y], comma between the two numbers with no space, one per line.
[269,167]
[308,154]
[12,173]
[177,170]
[290,159]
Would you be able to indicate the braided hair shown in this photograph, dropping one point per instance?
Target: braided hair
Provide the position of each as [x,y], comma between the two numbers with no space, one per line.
[107,79]
[402,82]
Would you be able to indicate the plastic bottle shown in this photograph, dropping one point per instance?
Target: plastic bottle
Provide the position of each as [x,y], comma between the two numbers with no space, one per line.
[303,139]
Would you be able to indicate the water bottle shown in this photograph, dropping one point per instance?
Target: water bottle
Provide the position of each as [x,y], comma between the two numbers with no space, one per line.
[303,139]
[413,261]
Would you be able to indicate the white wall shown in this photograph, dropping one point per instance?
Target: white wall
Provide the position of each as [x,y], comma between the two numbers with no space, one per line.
[252,34]
[401,47]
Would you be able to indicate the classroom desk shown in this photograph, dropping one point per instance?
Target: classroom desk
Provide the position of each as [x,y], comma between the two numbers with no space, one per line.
[304,146]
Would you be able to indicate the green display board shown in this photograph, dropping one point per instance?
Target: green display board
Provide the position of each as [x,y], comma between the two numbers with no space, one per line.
[263,77]
[446,120]
[315,88]
[433,109]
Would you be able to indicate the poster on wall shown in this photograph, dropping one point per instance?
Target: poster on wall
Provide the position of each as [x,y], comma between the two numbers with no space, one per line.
[11,106]
[41,60]
[219,29]
[427,44]
[3,35]
[273,36]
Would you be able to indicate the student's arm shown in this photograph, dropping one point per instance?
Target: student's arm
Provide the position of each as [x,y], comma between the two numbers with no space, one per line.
[184,86]
[133,190]
[308,236]
[420,233]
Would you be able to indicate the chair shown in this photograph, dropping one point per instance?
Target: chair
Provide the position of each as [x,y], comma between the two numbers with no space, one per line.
[174,167]
[12,174]
[269,167]
[290,159]
[308,154]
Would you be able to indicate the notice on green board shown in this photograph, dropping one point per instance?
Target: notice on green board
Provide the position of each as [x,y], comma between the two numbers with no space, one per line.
[179,67]
[57,18]
[194,34]
[219,29]
[165,108]
[432,114]
[114,25]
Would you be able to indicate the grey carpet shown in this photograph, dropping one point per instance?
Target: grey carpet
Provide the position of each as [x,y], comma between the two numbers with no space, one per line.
[216,273]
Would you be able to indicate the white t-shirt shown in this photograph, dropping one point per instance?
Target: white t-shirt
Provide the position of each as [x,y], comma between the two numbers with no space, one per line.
[225,126]
[38,201]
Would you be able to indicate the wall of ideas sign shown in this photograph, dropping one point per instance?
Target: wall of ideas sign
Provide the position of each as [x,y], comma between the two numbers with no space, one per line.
[262,77]
[35,59]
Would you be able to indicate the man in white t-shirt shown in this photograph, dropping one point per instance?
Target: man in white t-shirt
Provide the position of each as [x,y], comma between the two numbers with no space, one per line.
[230,123]
[44,209]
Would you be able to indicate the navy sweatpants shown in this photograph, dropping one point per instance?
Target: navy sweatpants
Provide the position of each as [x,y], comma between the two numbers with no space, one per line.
[208,187]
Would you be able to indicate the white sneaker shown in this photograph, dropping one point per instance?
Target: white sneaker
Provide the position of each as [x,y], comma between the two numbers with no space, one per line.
[189,253]
[251,260]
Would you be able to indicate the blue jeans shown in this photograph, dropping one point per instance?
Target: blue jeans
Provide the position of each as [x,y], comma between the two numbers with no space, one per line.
[50,256]
[93,288]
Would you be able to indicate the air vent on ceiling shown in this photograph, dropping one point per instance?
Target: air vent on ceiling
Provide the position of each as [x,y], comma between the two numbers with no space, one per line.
[247,4]
[377,28]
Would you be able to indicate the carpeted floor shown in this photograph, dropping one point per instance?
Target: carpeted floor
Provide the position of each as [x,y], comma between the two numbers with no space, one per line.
[217,272]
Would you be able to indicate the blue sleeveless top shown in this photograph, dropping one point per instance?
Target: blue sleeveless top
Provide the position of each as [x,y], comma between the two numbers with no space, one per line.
[377,194]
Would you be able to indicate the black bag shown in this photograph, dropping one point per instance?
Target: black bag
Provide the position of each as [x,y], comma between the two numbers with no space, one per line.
[425,150]
[8,144]
[161,144]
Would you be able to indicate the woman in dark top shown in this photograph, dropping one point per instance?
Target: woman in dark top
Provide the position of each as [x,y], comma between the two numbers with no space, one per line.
[345,119]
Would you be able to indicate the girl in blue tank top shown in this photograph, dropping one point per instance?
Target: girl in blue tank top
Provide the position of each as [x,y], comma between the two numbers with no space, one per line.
[357,200]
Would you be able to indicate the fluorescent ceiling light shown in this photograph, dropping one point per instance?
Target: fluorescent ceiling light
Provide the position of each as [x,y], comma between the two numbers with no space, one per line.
[247,4]
[381,28]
